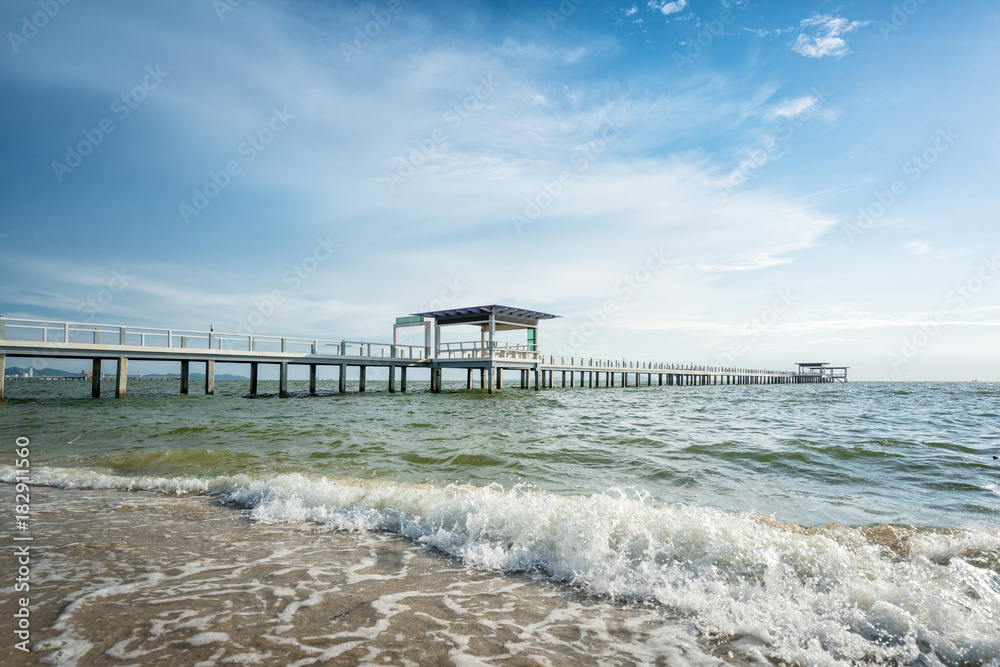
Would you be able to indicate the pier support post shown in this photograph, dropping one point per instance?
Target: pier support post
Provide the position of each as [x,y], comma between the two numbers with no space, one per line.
[489,379]
[253,377]
[499,378]
[342,379]
[122,378]
[283,379]
[482,378]
[402,379]
[361,378]
[185,377]
[210,377]
[312,379]
[95,379]
[3,371]
[468,379]
[392,379]
[538,380]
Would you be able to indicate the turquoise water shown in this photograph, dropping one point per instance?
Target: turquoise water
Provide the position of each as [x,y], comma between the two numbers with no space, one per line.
[855,522]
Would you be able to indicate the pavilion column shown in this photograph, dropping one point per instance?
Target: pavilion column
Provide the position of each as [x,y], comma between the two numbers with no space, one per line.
[253,378]
[95,379]
[121,379]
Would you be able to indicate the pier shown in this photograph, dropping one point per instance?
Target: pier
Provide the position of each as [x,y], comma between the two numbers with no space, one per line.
[485,360]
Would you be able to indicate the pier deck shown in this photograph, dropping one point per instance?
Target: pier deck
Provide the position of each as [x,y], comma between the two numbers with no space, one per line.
[20,338]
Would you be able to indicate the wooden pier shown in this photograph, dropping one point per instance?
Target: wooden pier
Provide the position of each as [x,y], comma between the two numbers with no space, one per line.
[485,360]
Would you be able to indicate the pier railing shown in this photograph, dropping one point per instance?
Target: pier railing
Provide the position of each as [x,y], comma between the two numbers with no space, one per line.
[653,366]
[481,350]
[45,331]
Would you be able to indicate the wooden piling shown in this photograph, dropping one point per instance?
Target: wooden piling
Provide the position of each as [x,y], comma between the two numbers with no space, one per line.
[95,379]
[312,379]
[253,378]
[185,376]
[283,379]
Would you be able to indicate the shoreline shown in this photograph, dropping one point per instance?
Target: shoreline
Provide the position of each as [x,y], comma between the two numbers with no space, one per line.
[123,577]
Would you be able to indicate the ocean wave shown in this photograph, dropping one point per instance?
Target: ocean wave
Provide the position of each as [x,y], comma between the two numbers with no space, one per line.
[833,595]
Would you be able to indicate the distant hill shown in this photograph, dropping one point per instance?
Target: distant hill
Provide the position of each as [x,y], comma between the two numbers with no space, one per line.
[55,372]
[201,376]
[43,372]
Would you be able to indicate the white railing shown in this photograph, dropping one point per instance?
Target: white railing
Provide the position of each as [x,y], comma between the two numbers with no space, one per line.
[45,331]
[652,366]
[477,349]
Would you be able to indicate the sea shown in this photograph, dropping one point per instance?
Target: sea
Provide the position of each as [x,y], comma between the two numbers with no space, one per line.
[826,524]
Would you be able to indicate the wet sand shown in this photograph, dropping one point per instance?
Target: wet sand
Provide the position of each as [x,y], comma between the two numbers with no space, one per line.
[130,578]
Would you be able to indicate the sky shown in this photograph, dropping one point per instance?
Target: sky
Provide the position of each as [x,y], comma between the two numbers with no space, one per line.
[747,184]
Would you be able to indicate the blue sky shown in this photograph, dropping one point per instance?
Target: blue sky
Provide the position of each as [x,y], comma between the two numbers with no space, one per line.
[710,181]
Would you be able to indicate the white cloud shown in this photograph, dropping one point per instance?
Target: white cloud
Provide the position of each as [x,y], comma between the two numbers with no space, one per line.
[668,8]
[821,36]
[927,251]
[792,108]
[749,264]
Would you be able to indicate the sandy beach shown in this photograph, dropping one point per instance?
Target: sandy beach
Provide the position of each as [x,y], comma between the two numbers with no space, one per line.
[123,578]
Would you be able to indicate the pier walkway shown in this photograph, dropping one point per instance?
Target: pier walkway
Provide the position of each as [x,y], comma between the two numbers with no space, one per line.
[486,358]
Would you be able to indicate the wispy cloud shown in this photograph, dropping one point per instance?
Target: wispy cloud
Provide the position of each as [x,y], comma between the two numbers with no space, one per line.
[821,36]
[927,251]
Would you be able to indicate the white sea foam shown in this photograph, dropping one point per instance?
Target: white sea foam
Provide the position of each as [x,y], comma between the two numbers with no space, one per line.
[830,596]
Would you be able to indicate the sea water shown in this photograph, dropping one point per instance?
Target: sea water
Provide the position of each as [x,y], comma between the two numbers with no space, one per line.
[799,524]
